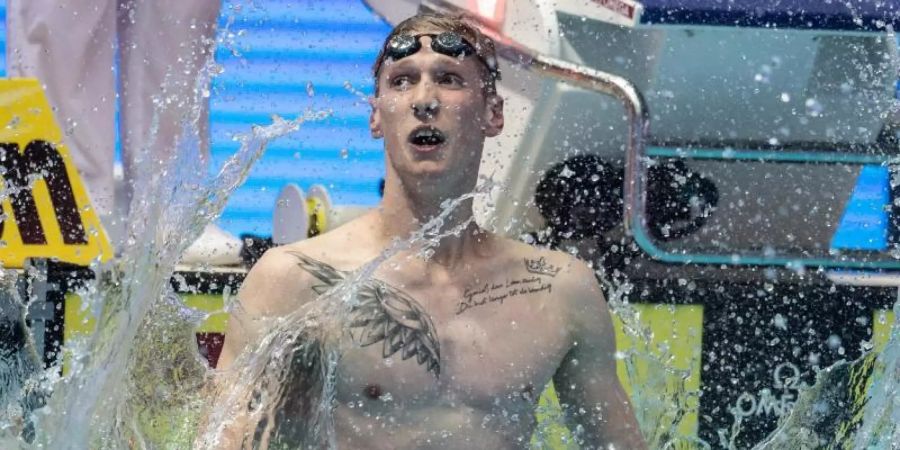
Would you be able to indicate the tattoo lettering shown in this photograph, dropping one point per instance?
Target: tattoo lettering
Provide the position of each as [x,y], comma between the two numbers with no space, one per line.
[383,314]
[500,292]
[541,267]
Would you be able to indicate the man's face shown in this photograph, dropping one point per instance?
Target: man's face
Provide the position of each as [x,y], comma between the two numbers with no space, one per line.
[433,113]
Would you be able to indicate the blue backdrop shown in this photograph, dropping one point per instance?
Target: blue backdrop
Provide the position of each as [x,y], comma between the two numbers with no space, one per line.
[289,56]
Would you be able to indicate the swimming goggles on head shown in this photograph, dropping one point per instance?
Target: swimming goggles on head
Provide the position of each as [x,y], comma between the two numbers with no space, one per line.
[448,43]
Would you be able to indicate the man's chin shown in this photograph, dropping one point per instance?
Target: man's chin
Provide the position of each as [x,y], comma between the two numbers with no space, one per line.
[429,170]
[430,162]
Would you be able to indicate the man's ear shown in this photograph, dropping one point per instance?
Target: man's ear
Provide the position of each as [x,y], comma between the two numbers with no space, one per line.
[493,115]
[375,119]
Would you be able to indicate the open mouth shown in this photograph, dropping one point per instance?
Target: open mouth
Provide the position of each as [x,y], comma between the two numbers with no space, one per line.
[427,137]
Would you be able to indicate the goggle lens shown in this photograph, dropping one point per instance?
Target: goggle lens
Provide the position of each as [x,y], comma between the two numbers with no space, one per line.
[402,45]
[451,44]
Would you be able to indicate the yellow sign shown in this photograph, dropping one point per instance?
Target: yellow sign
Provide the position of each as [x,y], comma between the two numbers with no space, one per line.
[46,211]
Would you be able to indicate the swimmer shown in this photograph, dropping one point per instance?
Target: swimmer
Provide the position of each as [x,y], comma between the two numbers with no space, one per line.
[453,350]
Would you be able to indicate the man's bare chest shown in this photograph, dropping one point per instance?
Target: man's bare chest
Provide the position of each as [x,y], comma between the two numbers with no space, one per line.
[498,331]
[475,346]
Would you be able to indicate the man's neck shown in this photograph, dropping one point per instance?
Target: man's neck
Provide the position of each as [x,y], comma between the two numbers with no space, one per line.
[402,213]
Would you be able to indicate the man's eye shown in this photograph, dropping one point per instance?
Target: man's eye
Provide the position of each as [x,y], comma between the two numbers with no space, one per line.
[401,82]
[450,79]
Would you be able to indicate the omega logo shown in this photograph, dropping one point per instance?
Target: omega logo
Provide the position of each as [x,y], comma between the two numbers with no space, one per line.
[786,377]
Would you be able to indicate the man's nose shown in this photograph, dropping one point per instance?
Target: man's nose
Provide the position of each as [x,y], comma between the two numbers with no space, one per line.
[425,103]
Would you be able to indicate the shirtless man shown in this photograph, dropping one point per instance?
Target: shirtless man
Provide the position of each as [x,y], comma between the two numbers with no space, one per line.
[455,349]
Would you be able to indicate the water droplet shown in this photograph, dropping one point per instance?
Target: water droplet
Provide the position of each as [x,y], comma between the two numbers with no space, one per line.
[780,322]
[813,107]
[834,342]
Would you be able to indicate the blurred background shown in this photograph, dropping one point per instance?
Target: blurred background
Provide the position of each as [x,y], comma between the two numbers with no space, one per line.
[287,56]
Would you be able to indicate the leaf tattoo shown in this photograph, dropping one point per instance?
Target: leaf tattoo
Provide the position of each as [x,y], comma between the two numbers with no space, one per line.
[323,272]
[389,315]
[383,314]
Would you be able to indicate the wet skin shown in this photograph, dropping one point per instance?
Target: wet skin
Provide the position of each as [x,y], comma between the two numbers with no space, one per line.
[452,351]
[503,332]
[434,90]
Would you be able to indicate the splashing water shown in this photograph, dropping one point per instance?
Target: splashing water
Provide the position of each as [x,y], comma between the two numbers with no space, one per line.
[852,405]
[660,407]
[141,364]
[134,291]
[139,382]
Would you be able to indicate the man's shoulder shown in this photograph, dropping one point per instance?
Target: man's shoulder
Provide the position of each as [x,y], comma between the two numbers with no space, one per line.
[346,247]
[564,267]
[282,277]
[574,283]
[336,249]
[281,262]
[291,263]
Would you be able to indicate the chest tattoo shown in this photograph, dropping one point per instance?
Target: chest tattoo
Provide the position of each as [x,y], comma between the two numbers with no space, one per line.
[537,281]
[383,314]
[541,267]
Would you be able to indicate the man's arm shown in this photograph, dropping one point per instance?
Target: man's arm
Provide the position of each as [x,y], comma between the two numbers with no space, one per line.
[586,381]
[269,290]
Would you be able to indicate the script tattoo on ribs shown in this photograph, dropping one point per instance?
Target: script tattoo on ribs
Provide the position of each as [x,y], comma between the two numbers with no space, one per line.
[383,314]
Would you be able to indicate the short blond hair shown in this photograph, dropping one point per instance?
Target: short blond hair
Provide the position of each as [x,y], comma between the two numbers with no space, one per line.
[437,23]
